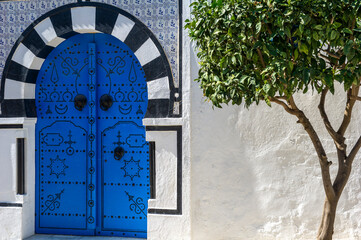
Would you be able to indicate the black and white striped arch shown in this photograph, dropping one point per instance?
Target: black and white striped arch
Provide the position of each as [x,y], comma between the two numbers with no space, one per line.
[18,82]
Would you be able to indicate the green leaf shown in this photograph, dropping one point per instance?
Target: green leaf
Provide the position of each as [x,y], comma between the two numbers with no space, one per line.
[351,54]
[315,36]
[243,78]
[328,80]
[304,48]
[289,12]
[306,76]
[347,30]
[296,54]
[266,87]
[348,47]
[301,28]
[305,19]
[318,27]
[290,65]
[258,27]
[337,25]
[288,32]
[268,102]
[257,44]
[342,60]
[333,35]
[229,32]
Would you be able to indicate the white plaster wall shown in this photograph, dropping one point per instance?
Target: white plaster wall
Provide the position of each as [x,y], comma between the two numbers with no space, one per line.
[10,217]
[10,223]
[255,174]
[17,222]
[8,165]
[28,217]
[165,168]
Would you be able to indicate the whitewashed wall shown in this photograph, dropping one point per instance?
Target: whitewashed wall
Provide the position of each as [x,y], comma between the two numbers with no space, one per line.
[17,222]
[10,217]
[255,174]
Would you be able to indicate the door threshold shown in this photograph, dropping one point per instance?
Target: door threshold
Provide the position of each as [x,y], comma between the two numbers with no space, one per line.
[72,237]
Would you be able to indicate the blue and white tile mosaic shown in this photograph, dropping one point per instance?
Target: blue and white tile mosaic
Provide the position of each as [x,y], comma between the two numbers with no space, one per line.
[160,16]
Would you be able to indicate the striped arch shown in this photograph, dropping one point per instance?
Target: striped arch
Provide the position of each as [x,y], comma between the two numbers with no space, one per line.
[18,82]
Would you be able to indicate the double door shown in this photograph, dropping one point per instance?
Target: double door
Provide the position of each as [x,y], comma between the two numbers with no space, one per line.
[92,159]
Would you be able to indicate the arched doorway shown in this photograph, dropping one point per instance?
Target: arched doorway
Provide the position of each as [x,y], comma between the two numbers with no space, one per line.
[44,34]
[92,160]
[163,116]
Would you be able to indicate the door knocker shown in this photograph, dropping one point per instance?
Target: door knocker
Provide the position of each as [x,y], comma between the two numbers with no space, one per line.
[106,101]
[118,153]
[80,102]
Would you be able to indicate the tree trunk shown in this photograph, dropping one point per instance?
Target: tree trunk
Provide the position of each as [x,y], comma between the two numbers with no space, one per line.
[325,230]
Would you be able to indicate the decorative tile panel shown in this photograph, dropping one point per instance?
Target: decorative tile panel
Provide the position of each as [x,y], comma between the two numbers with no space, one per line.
[160,16]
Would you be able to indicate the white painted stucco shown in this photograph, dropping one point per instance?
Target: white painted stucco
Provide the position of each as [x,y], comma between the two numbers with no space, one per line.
[255,174]
[166,169]
[10,219]
[17,222]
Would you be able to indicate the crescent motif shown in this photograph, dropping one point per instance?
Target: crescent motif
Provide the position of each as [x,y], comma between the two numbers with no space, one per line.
[125,110]
[61,110]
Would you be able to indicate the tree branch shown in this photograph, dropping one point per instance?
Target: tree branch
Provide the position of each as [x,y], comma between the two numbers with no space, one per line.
[324,57]
[333,55]
[353,152]
[283,104]
[321,107]
[258,50]
[292,108]
[352,28]
[357,98]
[281,97]
[261,58]
[353,91]
[268,29]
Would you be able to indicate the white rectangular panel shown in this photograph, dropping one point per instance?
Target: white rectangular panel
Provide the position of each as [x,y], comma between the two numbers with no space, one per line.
[147,52]
[83,19]
[158,88]
[19,90]
[122,27]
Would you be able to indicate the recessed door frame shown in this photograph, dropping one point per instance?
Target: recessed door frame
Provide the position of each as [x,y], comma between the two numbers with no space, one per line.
[91,67]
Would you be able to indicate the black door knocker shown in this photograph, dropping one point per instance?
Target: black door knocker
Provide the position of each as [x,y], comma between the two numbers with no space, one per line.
[80,102]
[106,101]
[118,153]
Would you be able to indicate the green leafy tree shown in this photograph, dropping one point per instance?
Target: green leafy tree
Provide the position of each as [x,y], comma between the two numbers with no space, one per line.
[268,50]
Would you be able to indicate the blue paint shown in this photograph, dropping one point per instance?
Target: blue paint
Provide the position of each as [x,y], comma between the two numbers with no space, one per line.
[82,186]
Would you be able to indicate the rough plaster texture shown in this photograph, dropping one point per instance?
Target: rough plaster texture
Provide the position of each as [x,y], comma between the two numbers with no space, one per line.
[10,220]
[255,174]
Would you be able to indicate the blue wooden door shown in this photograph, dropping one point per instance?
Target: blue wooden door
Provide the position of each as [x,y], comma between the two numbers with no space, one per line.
[92,159]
